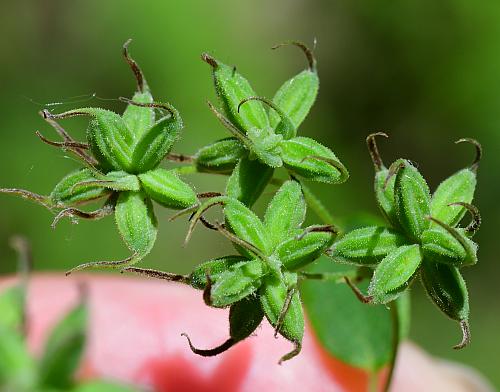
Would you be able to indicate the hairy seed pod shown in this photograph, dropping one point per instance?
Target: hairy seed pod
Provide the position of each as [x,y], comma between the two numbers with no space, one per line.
[136,222]
[212,268]
[439,246]
[458,188]
[309,159]
[139,119]
[367,246]
[244,317]
[446,288]
[220,156]
[232,88]
[288,317]
[285,213]
[165,187]
[296,253]
[297,95]
[394,273]
[246,225]
[412,199]
[119,181]
[156,142]
[384,194]
[238,282]
[248,180]
[66,192]
[109,138]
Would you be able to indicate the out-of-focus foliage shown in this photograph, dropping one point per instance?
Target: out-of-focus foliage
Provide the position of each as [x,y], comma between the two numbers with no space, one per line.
[426,72]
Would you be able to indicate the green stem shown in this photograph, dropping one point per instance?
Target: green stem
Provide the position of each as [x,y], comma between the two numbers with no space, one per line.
[188,169]
[317,206]
[395,344]
[337,277]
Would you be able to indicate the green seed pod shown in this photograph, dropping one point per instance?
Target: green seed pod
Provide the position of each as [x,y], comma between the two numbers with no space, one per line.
[139,119]
[285,213]
[457,188]
[384,194]
[283,312]
[367,246]
[136,222]
[238,282]
[231,89]
[244,318]
[118,181]
[296,253]
[446,288]
[394,273]
[68,194]
[213,268]
[266,146]
[246,225]
[308,158]
[297,95]
[439,246]
[157,141]
[220,156]
[165,187]
[412,198]
[248,180]
[109,138]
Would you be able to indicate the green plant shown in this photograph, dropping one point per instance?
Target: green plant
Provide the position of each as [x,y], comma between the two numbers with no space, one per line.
[423,237]
[55,369]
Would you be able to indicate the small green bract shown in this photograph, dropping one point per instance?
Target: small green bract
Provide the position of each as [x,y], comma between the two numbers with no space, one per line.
[424,237]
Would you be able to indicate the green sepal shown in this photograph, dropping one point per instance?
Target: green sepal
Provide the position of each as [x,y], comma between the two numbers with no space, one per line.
[266,146]
[384,194]
[285,213]
[244,317]
[156,142]
[246,225]
[446,288]
[67,193]
[272,297]
[17,369]
[296,253]
[296,97]
[213,268]
[412,199]
[220,156]
[12,312]
[139,119]
[459,187]
[136,222]
[309,159]
[394,273]
[248,181]
[165,187]
[64,349]
[110,140]
[438,245]
[366,246]
[232,88]
[239,281]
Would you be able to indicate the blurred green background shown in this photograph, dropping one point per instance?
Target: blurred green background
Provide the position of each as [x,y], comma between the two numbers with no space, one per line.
[425,71]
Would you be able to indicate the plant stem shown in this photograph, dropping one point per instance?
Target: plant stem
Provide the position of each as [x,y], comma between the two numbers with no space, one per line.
[395,344]
[317,206]
[337,277]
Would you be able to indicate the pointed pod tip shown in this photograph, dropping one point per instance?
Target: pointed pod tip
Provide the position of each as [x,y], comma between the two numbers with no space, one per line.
[308,52]
[479,151]
[464,325]
[373,149]
[209,60]
[291,354]
[210,352]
